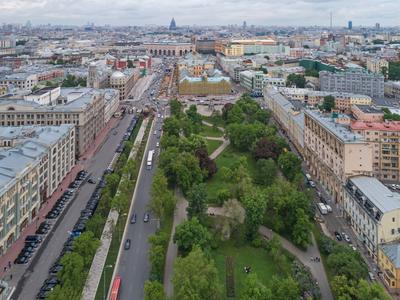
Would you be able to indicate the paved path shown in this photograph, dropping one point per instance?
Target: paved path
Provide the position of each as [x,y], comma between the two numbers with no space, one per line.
[317,269]
[180,215]
[225,142]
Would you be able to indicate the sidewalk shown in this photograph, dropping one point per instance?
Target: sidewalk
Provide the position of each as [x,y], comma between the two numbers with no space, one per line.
[180,215]
[15,249]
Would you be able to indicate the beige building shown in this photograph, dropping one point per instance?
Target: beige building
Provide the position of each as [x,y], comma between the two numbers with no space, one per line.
[392,89]
[373,212]
[83,107]
[377,65]
[124,82]
[33,162]
[343,101]
[3,89]
[169,48]
[288,116]
[333,153]
[23,81]
[389,264]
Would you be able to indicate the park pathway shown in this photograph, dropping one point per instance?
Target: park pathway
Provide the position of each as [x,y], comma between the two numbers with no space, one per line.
[317,269]
[225,141]
[180,215]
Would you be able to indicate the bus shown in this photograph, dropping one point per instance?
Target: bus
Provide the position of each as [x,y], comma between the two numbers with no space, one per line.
[115,288]
[150,159]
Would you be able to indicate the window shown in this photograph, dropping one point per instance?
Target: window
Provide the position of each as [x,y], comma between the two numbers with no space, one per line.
[392,231]
[393,219]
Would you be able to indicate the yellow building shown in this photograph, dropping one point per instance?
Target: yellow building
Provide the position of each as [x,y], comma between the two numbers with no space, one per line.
[389,264]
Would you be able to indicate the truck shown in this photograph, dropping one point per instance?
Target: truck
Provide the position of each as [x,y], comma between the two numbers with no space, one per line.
[322,208]
[150,159]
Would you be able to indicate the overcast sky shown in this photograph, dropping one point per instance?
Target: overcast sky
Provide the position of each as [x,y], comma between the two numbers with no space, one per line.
[201,12]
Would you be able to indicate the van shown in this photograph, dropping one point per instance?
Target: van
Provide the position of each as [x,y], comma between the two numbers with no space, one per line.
[371,276]
[308,176]
[329,208]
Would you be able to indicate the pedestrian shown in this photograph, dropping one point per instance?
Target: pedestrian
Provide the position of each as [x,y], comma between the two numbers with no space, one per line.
[5,269]
[10,276]
[9,264]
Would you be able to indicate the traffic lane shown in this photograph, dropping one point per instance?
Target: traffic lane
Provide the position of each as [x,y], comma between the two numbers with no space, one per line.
[57,238]
[134,265]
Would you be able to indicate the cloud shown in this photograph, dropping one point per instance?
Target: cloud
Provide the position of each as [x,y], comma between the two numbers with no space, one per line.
[201,12]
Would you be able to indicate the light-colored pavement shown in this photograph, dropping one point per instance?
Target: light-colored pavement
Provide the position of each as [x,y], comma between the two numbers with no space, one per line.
[180,215]
[219,150]
[317,268]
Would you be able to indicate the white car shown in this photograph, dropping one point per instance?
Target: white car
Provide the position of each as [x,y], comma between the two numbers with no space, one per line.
[312,183]
[158,144]
[155,132]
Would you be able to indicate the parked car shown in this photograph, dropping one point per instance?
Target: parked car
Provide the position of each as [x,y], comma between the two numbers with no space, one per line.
[346,237]
[33,238]
[127,244]
[338,236]
[312,184]
[92,181]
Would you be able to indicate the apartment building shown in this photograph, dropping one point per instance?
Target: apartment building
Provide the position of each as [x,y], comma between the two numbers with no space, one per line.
[373,211]
[343,101]
[33,162]
[392,89]
[169,48]
[377,65]
[23,81]
[356,81]
[332,152]
[384,137]
[196,65]
[287,115]
[389,264]
[235,47]
[83,107]
[124,81]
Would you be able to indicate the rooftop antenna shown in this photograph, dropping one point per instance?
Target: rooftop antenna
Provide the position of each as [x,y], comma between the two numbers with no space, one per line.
[331,16]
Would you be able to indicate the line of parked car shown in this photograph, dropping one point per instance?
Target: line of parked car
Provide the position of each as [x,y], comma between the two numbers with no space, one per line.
[127,134]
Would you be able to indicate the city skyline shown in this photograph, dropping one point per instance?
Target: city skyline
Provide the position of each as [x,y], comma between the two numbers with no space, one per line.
[196,12]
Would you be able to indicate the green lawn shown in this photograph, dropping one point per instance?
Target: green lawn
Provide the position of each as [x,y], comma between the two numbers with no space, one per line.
[217,119]
[256,258]
[226,159]
[212,145]
[210,131]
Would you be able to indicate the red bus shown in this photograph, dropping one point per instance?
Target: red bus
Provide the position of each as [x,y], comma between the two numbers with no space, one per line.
[115,288]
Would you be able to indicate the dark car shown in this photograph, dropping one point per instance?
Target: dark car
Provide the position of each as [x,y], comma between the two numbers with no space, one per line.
[133,219]
[33,238]
[92,181]
[42,295]
[338,236]
[55,269]
[32,244]
[42,230]
[146,217]
[21,260]
[48,287]
[52,280]
[127,244]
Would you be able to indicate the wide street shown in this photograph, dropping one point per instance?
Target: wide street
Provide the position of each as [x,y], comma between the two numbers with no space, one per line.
[35,273]
[133,265]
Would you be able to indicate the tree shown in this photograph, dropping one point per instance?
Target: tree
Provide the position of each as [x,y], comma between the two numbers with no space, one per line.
[176,108]
[312,73]
[225,110]
[162,201]
[297,80]
[329,103]
[302,229]
[190,233]
[206,163]
[266,148]
[96,224]
[86,245]
[158,248]
[172,126]
[239,176]
[112,182]
[234,215]
[285,289]
[266,172]
[130,64]
[243,136]
[153,290]
[361,289]
[193,115]
[253,289]
[254,204]
[289,164]
[344,261]
[195,277]
[197,197]
[73,270]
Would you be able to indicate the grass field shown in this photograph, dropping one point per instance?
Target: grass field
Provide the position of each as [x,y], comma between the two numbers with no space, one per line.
[212,145]
[226,159]
[217,119]
[256,258]
[210,131]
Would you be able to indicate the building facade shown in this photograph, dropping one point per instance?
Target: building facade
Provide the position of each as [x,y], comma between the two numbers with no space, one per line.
[377,65]
[356,81]
[389,264]
[83,107]
[373,212]
[333,153]
[392,89]
[33,162]
[169,49]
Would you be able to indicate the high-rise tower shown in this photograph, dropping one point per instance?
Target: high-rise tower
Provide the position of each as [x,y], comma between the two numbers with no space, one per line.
[172,25]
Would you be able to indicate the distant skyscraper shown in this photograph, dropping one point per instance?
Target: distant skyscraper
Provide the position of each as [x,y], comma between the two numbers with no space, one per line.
[350,25]
[377,26]
[331,20]
[172,25]
[244,25]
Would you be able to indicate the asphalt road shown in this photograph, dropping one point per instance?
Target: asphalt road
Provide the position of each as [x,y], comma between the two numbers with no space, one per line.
[133,265]
[36,274]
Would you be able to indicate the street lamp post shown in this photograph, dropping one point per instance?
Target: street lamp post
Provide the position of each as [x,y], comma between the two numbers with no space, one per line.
[104,280]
